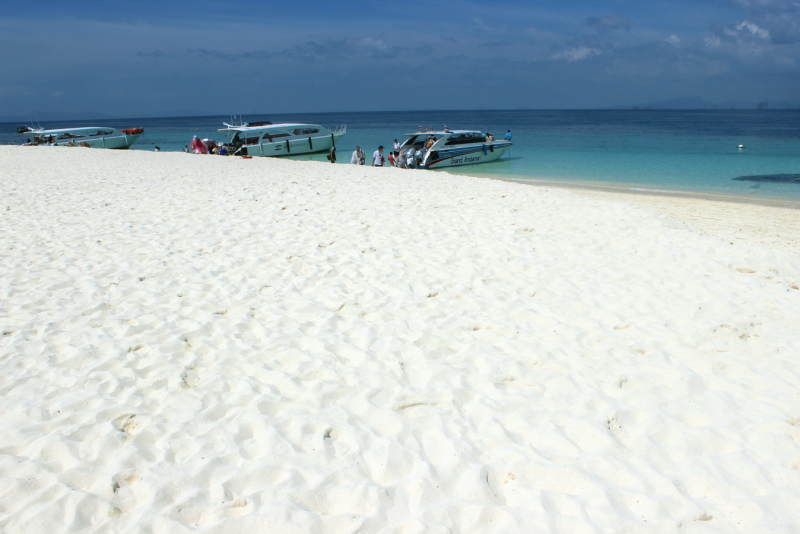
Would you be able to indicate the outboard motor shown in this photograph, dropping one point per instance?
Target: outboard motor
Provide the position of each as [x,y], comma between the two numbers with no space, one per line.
[419,157]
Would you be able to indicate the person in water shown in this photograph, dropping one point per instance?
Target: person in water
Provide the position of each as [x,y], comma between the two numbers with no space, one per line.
[358,158]
[332,155]
[396,148]
[377,157]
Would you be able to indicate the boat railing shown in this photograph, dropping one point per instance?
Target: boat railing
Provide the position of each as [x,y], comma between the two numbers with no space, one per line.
[339,130]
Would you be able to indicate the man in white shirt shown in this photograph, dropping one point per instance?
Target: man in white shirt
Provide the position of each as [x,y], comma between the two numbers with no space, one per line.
[377,157]
[359,158]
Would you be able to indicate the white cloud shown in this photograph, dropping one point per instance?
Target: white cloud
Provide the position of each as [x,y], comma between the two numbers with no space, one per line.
[673,40]
[577,54]
[747,29]
[712,43]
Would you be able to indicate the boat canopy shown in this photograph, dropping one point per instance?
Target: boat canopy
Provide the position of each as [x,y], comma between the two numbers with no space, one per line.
[286,126]
[448,132]
[106,130]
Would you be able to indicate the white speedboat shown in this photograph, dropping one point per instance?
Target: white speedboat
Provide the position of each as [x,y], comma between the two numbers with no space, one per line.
[267,139]
[94,136]
[453,148]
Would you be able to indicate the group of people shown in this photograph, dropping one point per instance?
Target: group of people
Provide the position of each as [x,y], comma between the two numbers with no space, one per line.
[51,141]
[396,158]
[378,159]
[46,141]
[205,146]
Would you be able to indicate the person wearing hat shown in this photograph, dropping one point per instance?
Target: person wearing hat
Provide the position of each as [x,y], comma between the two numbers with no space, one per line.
[332,154]
[377,157]
[359,158]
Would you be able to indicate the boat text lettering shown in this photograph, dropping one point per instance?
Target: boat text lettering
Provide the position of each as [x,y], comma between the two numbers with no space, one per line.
[461,161]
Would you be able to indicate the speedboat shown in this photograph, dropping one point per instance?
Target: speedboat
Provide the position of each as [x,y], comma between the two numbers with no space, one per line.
[94,136]
[267,139]
[452,148]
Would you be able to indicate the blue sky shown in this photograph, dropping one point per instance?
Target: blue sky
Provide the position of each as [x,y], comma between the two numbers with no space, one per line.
[147,57]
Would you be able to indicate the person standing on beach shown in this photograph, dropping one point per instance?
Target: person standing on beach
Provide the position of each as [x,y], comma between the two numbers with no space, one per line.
[332,155]
[359,158]
[396,149]
[377,157]
[401,160]
[508,136]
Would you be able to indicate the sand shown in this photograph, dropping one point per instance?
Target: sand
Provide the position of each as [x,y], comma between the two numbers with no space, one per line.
[776,227]
[219,345]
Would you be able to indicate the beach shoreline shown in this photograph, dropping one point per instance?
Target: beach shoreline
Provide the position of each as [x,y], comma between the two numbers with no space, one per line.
[238,345]
[773,223]
[711,196]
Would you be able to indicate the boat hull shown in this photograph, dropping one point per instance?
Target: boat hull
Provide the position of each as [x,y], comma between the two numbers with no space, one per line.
[469,155]
[114,142]
[292,147]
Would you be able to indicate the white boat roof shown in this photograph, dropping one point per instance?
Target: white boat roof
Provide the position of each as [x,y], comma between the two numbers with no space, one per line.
[268,127]
[448,132]
[65,130]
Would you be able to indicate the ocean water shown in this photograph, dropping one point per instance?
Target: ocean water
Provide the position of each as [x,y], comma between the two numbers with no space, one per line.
[656,150]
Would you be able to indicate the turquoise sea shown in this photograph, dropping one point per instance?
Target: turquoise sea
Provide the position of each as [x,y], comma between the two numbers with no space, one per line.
[689,151]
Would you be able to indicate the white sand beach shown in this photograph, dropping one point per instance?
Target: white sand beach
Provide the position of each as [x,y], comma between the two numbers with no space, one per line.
[219,345]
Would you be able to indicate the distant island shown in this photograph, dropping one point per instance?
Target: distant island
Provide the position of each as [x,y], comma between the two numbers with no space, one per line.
[696,102]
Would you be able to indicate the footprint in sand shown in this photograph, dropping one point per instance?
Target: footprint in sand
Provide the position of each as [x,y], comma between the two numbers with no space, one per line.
[128,425]
[503,383]
[191,376]
[128,494]
[614,427]
[239,507]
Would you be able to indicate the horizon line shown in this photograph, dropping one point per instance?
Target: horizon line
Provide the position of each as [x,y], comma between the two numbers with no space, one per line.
[608,108]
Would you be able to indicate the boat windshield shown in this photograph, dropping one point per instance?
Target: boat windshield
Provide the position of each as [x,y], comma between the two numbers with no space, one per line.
[465,138]
[415,141]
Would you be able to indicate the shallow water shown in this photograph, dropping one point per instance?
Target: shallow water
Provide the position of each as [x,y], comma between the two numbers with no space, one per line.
[694,151]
